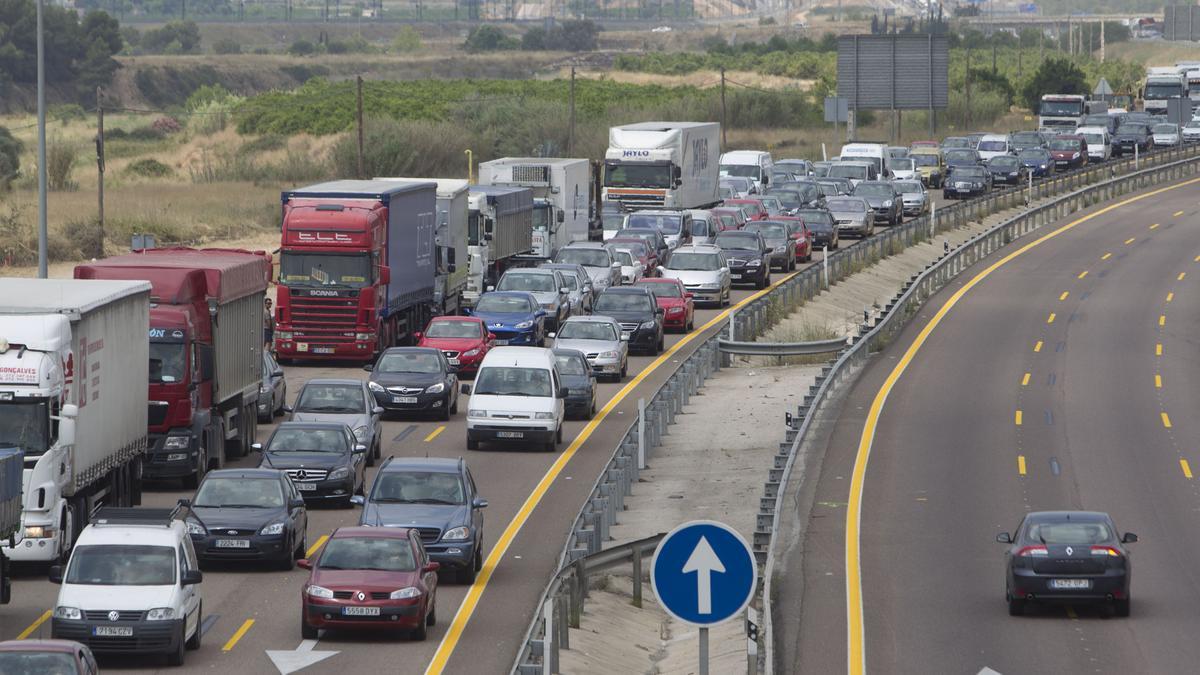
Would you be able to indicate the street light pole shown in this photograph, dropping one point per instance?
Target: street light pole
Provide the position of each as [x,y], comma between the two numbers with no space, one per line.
[43,270]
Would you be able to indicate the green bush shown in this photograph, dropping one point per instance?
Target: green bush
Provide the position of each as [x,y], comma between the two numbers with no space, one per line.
[177,37]
[265,143]
[226,46]
[60,163]
[10,158]
[302,47]
[149,168]
[66,112]
[407,40]
[489,38]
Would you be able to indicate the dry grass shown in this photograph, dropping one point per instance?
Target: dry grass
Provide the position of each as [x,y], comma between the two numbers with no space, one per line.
[701,78]
[1152,52]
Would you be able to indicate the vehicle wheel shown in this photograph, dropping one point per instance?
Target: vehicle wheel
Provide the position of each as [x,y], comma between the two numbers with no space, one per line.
[302,549]
[346,503]
[371,456]
[551,446]
[467,575]
[558,435]
[193,642]
[287,563]
[266,419]
[175,657]
[419,633]
[658,349]
[472,445]
[431,619]
[454,406]
[1121,607]
[691,324]
[478,557]
[191,482]
[1016,607]
[624,371]
[591,410]
[307,632]
[444,415]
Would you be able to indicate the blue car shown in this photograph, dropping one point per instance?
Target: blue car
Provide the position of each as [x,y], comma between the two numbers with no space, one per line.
[1037,161]
[514,317]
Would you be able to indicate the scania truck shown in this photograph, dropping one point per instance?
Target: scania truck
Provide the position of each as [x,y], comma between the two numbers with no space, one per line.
[663,165]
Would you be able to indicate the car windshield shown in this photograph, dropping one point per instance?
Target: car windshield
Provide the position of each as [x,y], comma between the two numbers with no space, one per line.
[956,142]
[419,487]
[620,302]
[324,269]
[534,283]
[330,398]
[513,381]
[960,155]
[790,198]
[1194,124]
[570,364]
[1132,129]
[1004,162]
[423,362]
[1064,144]
[1096,120]
[744,170]
[844,205]
[1165,128]
[624,257]
[386,554]
[307,440]
[1069,533]
[924,159]
[770,231]
[821,170]
[454,329]
[570,281]
[503,304]
[901,164]
[684,261]
[37,663]
[587,330]
[1093,139]
[700,228]
[908,187]
[168,362]
[739,240]
[993,146]
[869,190]
[829,189]
[647,237]
[735,183]
[968,173]
[588,257]
[240,492]
[814,217]
[663,290]
[1027,138]
[122,565]
[1034,155]
[667,224]
[848,171]
[613,221]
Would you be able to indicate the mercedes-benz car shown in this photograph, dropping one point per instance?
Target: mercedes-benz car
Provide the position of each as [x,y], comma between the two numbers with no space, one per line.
[884,201]
[967,181]
[748,256]
[344,401]
[783,247]
[638,314]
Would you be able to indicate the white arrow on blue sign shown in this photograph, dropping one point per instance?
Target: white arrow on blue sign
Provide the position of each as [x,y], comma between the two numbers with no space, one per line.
[703,572]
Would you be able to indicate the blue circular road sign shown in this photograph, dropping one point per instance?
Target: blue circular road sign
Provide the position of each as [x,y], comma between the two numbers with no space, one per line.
[703,572]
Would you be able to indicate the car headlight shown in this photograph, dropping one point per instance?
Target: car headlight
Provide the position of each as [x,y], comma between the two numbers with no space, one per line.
[549,305]
[457,534]
[340,472]
[887,203]
[675,310]
[470,352]
[176,443]
[476,413]
[543,416]
[283,334]
[610,355]
[524,324]
[781,249]
[754,263]
[71,613]
[39,532]
[194,527]
[263,388]
[360,432]
[1042,166]
[648,325]
[161,614]
[273,528]
[406,593]
[1075,156]
[376,387]
[435,388]
[314,591]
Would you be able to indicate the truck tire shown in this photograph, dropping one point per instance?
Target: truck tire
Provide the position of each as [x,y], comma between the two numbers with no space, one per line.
[135,485]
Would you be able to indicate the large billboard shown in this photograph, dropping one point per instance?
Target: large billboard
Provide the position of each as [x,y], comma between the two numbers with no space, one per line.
[1181,22]
[893,72]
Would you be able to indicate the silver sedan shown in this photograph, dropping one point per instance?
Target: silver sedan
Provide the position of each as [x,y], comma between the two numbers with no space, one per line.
[601,341]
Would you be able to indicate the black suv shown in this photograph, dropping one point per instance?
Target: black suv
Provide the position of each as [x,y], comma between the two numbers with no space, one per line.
[437,498]
[323,459]
[641,319]
[748,255]
[1130,135]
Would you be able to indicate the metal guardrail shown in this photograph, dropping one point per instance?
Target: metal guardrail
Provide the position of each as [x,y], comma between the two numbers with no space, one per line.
[897,313]
[616,480]
[782,348]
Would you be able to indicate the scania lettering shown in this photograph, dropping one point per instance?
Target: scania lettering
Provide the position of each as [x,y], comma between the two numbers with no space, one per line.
[670,165]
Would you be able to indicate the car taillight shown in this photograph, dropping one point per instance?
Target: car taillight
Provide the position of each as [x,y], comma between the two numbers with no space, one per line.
[1106,550]
[1027,551]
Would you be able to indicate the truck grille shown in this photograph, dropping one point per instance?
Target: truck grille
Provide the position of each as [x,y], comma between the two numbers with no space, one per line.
[637,202]
[315,314]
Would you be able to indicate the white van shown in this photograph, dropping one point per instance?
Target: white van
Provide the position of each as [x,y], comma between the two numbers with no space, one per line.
[874,153]
[993,145]
[855,171]
[132,585]
[517,397]
[1099,143]
[753,164]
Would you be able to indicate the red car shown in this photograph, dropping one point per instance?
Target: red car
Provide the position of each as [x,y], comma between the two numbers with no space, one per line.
[370,577]
[799,233]
[650,260]
[61,657]
[753,208]
[464,340]
[738,215]
[675,301]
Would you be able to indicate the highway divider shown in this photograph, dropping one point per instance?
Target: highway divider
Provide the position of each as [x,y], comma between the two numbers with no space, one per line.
[1172,167]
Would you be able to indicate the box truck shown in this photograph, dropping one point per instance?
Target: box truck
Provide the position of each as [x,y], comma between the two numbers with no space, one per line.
[656,165]
[450,238]
[565,206]
[499,231]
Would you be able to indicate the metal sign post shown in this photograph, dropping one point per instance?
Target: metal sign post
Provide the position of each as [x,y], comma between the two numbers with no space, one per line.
[825,263]
[641,433]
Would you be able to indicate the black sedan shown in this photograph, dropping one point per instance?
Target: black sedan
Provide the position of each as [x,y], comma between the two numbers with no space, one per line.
[966,181]
[323,459]
[1007,169]
[748,256]
[414,379]
[637,310]
[1067,556]
[1131,137]
[822,227]
[1036,161]
[580,381]
[249,514]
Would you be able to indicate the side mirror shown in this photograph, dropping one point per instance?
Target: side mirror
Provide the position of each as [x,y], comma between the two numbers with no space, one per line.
[491,336]
[377,410]
[551,335]
[661,270]
[288,409]
[417,335]
[296,503]
[1004,538]
[1129,538]
[304,564]
[540,312]
[257,447]
[688,296]
[660,311]
[563,392]
[480,503]
[465,388]
[561,217]
[615,266]
[466,311]
[431,566]
[624,337]
[564,291]
[192,577]
[358,500]
[359,448]
[185,503]
[491,288]
[385,275]
[369,367]
[56,574]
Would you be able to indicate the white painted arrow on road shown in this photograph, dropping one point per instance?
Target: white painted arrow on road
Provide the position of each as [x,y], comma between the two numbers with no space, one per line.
[299,658]
[703,561]
[987,671]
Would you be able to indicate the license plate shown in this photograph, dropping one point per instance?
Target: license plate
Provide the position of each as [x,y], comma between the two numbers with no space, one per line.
[322,350]
[113,631]
[1070,584]
[735,276]
[963,189]
[404,399]
[233,543]
[360,611]
[501,343]
[453,362]
[510,434]
[306,487]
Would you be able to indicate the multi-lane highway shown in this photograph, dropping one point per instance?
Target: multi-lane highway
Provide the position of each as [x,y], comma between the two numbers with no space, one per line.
[1060,374]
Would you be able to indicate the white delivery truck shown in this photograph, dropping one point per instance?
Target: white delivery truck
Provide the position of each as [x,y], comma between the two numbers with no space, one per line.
[74,363]
[663,165]
[1160,86]
[499,230]
[450,237]
[563,199]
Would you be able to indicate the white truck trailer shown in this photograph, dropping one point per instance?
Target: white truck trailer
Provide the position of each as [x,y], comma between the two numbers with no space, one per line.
[663,165]
[563,203]
[74,367]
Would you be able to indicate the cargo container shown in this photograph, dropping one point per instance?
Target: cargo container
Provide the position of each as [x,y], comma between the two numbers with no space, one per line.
[657,165]
[450,237]
[74,361]
[565,208]
[499,229]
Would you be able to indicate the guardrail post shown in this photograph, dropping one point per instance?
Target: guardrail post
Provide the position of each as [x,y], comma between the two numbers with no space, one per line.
[641,434]
[637,578]
[550,649]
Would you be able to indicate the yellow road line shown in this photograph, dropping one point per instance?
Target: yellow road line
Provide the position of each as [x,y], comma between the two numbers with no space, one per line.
[855,644]
[1050,319]
[1162,319]
[1181,276]
[1021,464]
[1187,469]
[1154,226]
[1177,214]
[1082,274]
[1130,240]
[1165,420]
[1158,381]
[1025,380]
[1017,418]
[238,635]
[35,625]
[434,434]
[1106,256]
[459,624]
[1158,349]
[1196,259]
[319,543]
[1038,347]
[1170,297]
[1064,296]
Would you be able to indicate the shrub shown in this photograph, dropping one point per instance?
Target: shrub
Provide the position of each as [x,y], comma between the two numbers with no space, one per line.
[177,37]
[226,46]
[213,116]
[206,94]
[60,162]
[403,148]
[166,125]
[407,40]
[265,143]
[574,36]
[86,237]
[150,168]
[10,158]
[66,112]
[489,38]
[302,48]
[143,133]
[261,51]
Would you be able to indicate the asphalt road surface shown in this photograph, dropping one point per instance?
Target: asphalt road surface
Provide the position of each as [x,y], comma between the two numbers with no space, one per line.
[1066,378]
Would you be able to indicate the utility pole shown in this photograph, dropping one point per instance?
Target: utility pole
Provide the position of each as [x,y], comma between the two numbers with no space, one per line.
[724,119]
[993,58]
[99,250]
[1101,42]
[968,83]
[361,170]
[571,132]
[183,10]
[1019,52]
[43,266]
